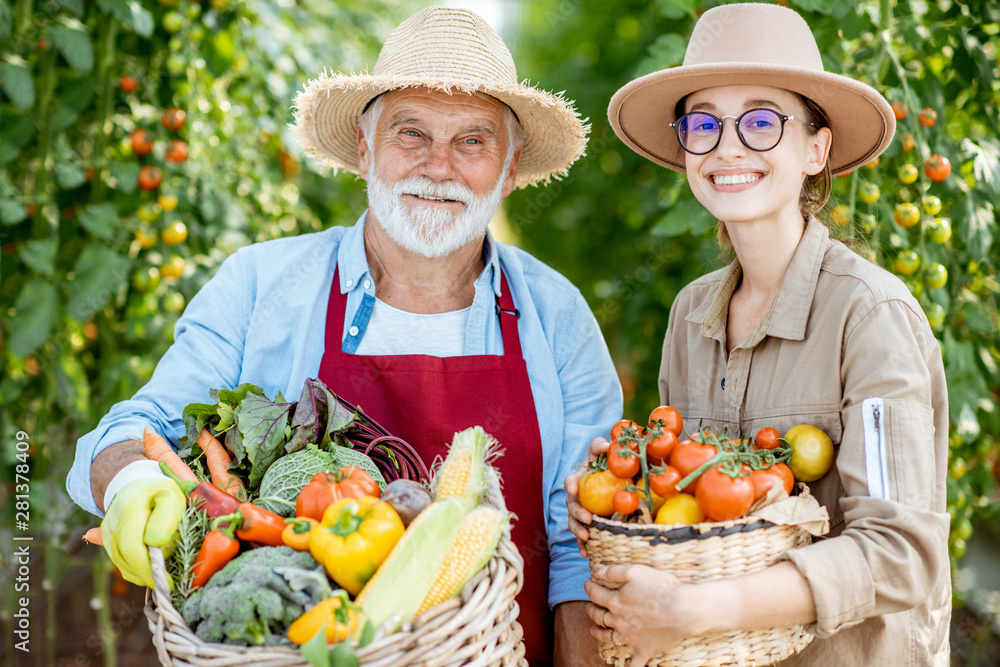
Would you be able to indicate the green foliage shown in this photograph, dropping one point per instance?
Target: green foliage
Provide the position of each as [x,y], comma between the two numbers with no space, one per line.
[630,235]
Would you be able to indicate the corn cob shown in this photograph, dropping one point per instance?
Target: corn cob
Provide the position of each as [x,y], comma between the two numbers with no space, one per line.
[462,474]
[471,549]
[403,580]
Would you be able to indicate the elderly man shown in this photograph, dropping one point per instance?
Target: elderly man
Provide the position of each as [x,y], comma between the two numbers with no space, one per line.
[415,312]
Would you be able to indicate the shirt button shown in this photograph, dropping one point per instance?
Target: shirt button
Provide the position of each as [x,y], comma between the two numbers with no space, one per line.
[350,283]
[353,331]
[368,284]
[723,384]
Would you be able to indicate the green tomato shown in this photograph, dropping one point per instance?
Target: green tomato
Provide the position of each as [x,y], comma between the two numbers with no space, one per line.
[940,230]
[962,528]
[176,63]
[935,317]
[149,212]
[869,193]
[146,279]
[936,276]
[172,22]
[932,204]
[173,302]
[907,262]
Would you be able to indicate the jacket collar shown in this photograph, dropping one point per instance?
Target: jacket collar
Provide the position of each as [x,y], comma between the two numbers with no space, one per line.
[789,313]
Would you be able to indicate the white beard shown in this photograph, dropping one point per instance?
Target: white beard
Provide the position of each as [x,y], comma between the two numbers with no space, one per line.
[429,231]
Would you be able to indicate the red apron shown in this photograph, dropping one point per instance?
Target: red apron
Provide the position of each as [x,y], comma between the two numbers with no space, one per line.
[425,400]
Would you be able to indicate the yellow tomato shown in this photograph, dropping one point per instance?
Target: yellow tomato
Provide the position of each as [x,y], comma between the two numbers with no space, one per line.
[935,315]
[597,489]
[907,262]
[168,202]
[146,279]
[906,215]
[908,173]
[175,234]
[173,268]
[682,508]
[812,452]
[149,212]
[841,216]
[146,238]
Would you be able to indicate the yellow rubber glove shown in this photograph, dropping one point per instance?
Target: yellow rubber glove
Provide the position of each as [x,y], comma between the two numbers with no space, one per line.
[144,513]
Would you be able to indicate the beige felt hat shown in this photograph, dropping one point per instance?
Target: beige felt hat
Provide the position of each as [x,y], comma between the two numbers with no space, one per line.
[451,50]
[754,44]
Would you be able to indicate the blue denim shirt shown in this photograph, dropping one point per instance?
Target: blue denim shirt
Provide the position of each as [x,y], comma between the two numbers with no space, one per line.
[262,319]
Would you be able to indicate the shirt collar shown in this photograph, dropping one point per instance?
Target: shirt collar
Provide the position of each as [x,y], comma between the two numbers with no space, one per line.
[790,311]
[353,261]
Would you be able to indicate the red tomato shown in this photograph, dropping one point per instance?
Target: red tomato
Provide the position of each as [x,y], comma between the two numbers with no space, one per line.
[128,83]
[927,117]
[625,502]
[688,456]
[623,462]
[763,480]
[667,418]
[899,110]
[150,178]
[937,168]
[142,142]
[624,426]
[659,448]
[767,438]
[906,141]
[664,483]
[177,151]
[722,497]
[173,119]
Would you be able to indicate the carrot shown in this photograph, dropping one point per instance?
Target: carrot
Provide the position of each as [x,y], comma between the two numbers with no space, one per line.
[218,460]
[158,449]
[93,536]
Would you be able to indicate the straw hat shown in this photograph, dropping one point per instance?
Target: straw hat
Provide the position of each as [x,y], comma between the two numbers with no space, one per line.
[755,44]
[451,50]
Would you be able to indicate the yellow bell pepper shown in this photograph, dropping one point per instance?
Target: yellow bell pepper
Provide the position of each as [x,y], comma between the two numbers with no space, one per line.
[296,532]
[354,537]
[336,614]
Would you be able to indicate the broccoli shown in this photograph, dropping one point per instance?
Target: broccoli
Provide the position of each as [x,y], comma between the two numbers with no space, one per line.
[237,606]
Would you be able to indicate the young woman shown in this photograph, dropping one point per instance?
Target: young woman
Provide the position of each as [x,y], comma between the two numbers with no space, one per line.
[797,330]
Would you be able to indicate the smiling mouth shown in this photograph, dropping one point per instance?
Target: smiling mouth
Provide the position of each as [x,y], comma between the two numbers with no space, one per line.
[435,199]
[736,179]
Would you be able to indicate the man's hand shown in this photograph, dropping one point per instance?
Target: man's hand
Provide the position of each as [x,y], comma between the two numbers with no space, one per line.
[579,518]
[146,512]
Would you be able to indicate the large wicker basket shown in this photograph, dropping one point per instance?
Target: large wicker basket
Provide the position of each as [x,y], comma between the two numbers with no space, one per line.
[477,629]
[704,552]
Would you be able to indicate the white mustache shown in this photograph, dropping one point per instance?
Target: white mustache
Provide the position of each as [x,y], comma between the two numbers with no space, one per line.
[426,188]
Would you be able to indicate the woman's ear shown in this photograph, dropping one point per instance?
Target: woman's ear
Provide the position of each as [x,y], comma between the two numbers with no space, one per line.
[819,151]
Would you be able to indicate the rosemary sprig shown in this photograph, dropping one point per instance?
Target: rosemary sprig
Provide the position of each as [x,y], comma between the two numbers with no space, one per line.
[191,532]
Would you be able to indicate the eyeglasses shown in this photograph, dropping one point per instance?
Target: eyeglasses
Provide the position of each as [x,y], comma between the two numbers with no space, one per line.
[759,129]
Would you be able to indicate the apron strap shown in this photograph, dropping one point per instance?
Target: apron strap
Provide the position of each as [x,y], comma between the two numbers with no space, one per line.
[508,315]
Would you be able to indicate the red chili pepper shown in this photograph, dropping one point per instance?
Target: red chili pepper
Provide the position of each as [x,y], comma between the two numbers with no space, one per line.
[260,525]
[213,501]
[218,548]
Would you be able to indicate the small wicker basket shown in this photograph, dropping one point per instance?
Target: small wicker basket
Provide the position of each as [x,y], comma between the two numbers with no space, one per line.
[703,552]
[477,629]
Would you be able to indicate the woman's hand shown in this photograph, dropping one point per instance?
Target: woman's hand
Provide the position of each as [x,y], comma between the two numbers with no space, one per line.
[579,518]
[646,613]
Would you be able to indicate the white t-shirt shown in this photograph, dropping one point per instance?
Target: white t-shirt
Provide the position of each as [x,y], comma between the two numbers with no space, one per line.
[393,331]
